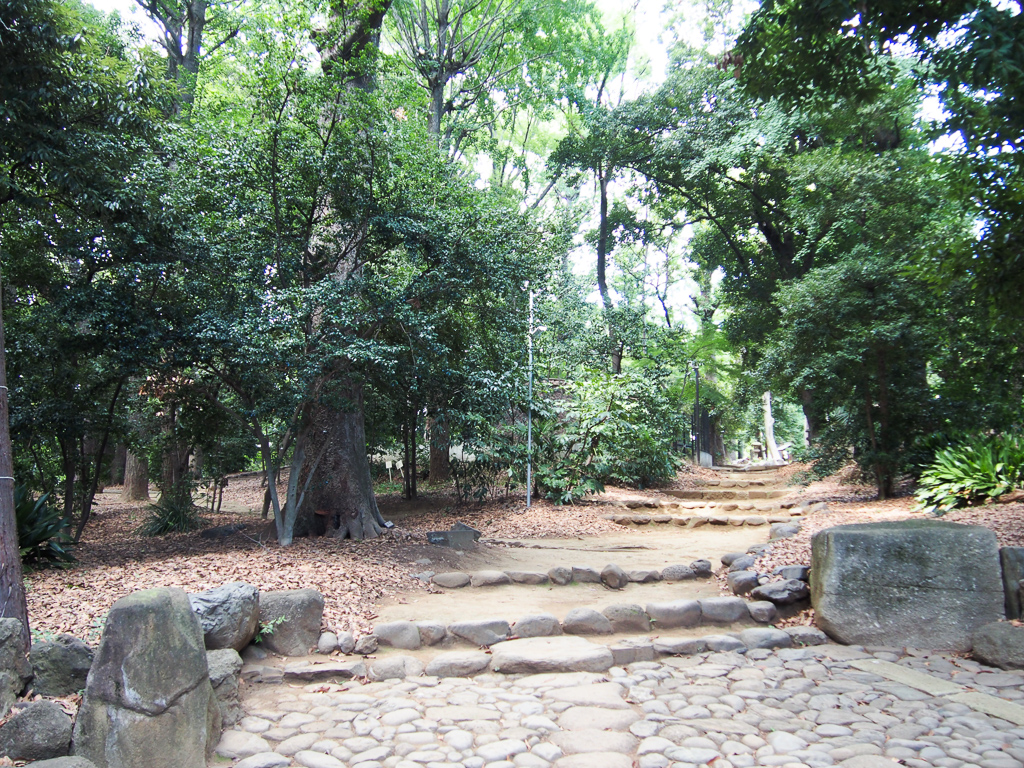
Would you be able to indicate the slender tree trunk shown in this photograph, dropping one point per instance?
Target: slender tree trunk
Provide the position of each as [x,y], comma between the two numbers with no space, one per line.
[136,478]
[117,464]
[341,489]
[440,443]
[12,588]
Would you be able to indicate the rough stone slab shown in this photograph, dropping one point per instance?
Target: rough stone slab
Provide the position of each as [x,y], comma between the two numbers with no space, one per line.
[489,579]
[922,681]
[723,610]
[335,670]
[460,713]
[485,632]
[918,583]
[398,634]
[609,760]
[626,617]
[678,613]
[584,575]
[586,621]
[607,695]
[686,646]
[527,577]
[540,625]
[458,664]
[451,580]
[549,654]
[1000,644]
[560,575]
[602,718]
[991,705]
[592,740]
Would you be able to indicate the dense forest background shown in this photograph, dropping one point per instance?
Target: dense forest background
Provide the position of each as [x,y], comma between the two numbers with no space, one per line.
[306,236]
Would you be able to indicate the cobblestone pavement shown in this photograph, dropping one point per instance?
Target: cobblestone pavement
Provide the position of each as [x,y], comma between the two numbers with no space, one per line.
[817,706]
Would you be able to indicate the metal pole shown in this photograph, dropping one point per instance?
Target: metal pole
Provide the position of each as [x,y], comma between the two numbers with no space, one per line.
[529,408]
[696,416]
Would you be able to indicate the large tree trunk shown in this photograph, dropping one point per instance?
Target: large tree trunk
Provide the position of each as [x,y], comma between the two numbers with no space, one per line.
[341,491]
[12,589]
[117,464]
[136,478]
[772,449]
[810,415]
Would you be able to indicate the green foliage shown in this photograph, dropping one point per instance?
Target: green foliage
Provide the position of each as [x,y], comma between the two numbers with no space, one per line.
[175,512]
[978,468]
[609,429]
[43,538]
[267,628]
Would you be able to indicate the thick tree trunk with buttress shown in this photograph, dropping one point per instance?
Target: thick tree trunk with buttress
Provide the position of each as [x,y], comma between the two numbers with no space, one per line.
[440,463]
[341,491]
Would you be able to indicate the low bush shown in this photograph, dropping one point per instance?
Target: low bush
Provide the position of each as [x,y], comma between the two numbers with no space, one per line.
[43,537]
[175,512]
[979,468]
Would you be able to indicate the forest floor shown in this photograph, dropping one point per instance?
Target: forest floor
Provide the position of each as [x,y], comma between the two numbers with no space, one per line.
[367,581]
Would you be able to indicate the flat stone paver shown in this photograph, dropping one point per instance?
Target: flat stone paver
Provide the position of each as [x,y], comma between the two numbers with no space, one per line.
[793,708]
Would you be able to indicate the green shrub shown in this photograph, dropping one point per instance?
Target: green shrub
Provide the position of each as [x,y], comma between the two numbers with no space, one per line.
[43,537]
[174,512]
[981,467]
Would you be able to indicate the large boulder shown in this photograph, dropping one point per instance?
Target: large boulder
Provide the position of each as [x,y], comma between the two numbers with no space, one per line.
[148,699]
[1000,644]
[15,670]
[38,732]
[60,667]
[229,615]
[290,620]
[225,667]
[920,583]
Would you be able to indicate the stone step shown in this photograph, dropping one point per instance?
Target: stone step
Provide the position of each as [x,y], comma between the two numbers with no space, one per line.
[695,521]
[729,494]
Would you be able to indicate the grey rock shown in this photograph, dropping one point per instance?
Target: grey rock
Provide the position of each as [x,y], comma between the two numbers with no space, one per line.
[680,646]
[225,667]
[64,762]
[346,642]
[625,617]
[486,632]
[327,644]
[527,577]
[365,645]
[253,653]
[765,637]
[632,650]
[264,760]
[312,673]
[458,664]
[431,632]
[678,573]
[560,575]
[539,625]
[537,655]
[1012,561]
[729,557]
[783,530]
[15,669]
[60,667]
[586,621]
[451,580]
[678,613]
[804,636]
[398,634]
[229,615]
[583,575]
[424,576]
[742,563]
[614,577]
[1000,644]
[489,579]
[800,572]
[742,582]
[396,668]
[644,576]
[782,592]
[762,611]
[40,731]
[148,699]
[296,615]
[920,583]
[701,568]
[723,610]
[721,643]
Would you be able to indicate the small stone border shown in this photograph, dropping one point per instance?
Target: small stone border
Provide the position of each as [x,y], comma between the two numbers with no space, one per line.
[696,521]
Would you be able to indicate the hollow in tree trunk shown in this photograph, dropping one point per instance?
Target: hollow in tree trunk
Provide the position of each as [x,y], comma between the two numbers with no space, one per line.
[341,491]
[136,477]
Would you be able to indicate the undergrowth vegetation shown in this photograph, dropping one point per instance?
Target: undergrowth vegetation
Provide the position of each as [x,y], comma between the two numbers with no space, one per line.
[972,471]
